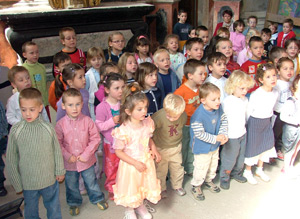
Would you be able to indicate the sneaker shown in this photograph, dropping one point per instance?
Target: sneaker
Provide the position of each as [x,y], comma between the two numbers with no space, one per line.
[225,184]
[74,210]
[280,155]
[111,196]
[180,191]
[249,176]
[239,178]
[164,194]
[102,205]
[262,175]
[83,192]
[130,214]
[3,192]
[212,187]
[272,161]
[197,193]
[143,212]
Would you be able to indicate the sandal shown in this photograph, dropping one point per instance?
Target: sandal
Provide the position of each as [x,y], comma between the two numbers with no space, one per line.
[74,210]
[102,205]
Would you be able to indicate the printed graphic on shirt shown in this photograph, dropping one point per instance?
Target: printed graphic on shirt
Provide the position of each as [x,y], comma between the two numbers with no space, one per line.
[195,101]
[251,69]
[213,121]
[173,130]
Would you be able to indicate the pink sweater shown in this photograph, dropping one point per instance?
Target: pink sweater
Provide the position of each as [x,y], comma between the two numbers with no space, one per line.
[238,41]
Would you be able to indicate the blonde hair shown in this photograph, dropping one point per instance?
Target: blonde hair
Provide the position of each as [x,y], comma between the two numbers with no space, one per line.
[168,37]
[208,88]
[109,48]
[31,94]
[15,70]
[122,63]
[64,29]
[221,40]
[236,79]
[174,104]
[92,52]
[158,52]
[251,33]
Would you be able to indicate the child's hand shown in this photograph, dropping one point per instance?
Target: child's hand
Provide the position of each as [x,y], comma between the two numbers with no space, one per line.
[81,160]
[72,159]
[116,119]
[156,156]
[220,137]
[60,178]
[141,167]
[225,139]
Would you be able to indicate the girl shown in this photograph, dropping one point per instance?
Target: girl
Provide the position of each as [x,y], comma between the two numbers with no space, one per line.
[260,137]
[116,44]
[73,77]
[290,114]
[176,58]
[136,177]
[95,58]
[142,50]
[128,66]
[292,48]
[237,38]
[235,108]
[147,79]
[107,118]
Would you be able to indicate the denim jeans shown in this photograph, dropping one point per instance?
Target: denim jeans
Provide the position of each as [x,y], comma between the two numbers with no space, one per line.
[50,196]
[90,182]
[3,143]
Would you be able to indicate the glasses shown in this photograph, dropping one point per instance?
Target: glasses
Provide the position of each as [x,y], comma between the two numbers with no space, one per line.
[119,41]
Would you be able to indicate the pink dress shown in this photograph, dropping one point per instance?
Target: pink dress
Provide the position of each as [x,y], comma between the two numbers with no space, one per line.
[132,186]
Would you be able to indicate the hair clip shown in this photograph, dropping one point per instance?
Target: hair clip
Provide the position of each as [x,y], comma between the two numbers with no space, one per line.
[72,69]
[264,68]
[133,89]
[141,37]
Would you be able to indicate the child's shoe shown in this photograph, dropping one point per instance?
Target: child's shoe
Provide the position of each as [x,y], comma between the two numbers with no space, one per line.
[102,205]
[280,155]
[225,184]
[180,191]
[197,193]
[212,187]
[3,192]
[259,172]
[74,210]
[239,178]
[111,196]
[249,176]
[143,212]
[130,214]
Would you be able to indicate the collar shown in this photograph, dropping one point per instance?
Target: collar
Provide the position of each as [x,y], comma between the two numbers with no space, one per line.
[151,89]
[80,116]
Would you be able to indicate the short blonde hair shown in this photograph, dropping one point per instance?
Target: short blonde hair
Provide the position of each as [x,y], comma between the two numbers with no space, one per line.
[174,104]
[158,52]
[208,88]
[31,94]
[92,52]
[15,70]
[236,79]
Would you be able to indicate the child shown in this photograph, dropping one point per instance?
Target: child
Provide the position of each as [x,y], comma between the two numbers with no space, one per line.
[192,32]
[116,44]
[211,48]
[33,159]
[128,67]
[235,108]
[287,32]
[195,72]
[223,32]
[285,69]
[142,49]
[60,61]
[217,65]
[227,21]
[107,118]
[250,67]
[273,27]
[237,38]
[136,178]
[208,131]
[3,144]
[266,36]
[147,79]
[167,80]
[37,71]
[260,137]
[181,28]
[292,49]
[202,33]
[78,138]
[73,76]
[176,58]
[290,136]
[251,22]
[95,59]
[169,122]
[19,79]
[276,53]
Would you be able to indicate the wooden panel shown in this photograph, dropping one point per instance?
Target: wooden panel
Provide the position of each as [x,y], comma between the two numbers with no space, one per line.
[280,18]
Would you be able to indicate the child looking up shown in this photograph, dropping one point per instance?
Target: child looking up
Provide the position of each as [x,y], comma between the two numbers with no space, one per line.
[79,139]
[237,38]
[128,67]
[33,159]
[287,32]
[292,49]
[251,22]
[266,36]
[116,44]
[141,48]
[176,58]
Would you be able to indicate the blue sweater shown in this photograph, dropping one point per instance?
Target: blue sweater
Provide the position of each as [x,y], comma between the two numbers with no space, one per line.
[175,83]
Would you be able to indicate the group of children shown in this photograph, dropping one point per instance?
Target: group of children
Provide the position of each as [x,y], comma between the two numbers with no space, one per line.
[169,112]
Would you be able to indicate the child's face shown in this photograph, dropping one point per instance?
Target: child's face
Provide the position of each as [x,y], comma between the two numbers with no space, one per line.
[252,23]
[192,34]
[163,62]
[31,54]
[21,81]
[292,50]
[241,91]
[139,112]
[269,79]
[30,109]
[117,43]
[96,62]
[143,49]
[287,28]
[257,49]
[131,65]
[182,17]
[172,117]
[240,28]
[225,47]
[196,51]
[265,37]
[73,106]
[199,75]
[212,101]
[227,18]
[172,45]
[272,28]
[78,81]
[151,80]
[69,41]
[286,72]
[218,68]
[203,34]
[63,64]
[116,90]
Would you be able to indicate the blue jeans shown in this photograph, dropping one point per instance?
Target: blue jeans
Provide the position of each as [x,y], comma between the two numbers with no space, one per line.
[50,196]
[3,144]
[90,182]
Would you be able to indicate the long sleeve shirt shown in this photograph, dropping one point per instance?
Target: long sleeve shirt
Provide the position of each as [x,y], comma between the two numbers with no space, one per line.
[3,122]
[290,112]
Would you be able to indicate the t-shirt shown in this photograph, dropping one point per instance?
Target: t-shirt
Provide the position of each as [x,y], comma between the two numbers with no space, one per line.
[182,30]
[166,79]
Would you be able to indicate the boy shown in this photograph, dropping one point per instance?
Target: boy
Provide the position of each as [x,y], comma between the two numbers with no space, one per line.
[202,33]
[60,61]
[181,28]
[273,26]
[256,46]
[266,36]
[195,72]
[276,53]
[192,32]
[287,32]
[34,160]
[167,80]
[79,139]
[169,122]
[19,79]
[251,22]
[3,144]
[37,71]
[217,65]
[208,131]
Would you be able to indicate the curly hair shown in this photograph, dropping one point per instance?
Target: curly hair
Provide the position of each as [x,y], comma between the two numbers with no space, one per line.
[237,79]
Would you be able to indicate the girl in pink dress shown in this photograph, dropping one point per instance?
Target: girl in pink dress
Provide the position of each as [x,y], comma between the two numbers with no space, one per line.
[136,177]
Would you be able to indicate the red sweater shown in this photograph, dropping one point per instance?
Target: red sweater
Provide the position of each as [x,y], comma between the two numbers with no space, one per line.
[281,40]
